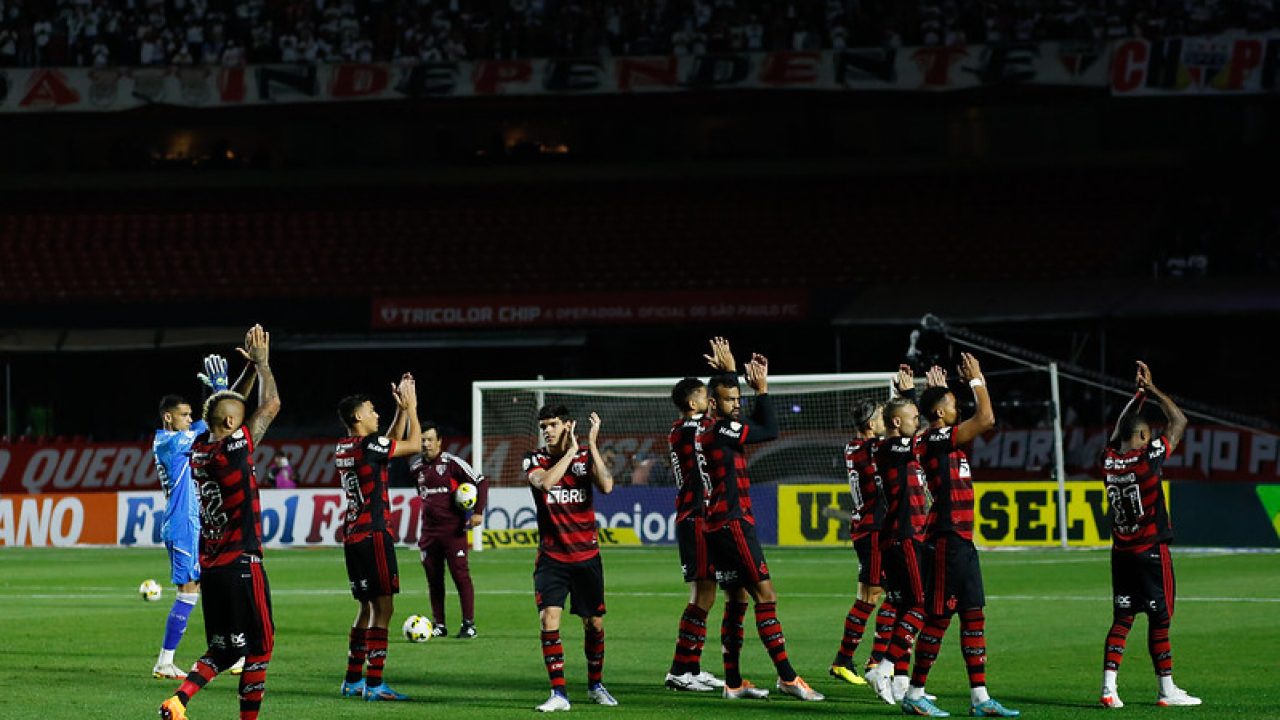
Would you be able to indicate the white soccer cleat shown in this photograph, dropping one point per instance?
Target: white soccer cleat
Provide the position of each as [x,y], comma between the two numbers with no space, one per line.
[167,671]
[1111,699]
[687,681]
[709,680]
[882,684]
[746,692]
[599,695]
[1177,697]
[555,703]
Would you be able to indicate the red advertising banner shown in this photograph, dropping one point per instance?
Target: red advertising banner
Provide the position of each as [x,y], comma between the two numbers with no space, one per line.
[487,311]
[1207,452]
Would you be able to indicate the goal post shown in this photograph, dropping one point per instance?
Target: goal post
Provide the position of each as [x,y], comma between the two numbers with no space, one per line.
[813,413]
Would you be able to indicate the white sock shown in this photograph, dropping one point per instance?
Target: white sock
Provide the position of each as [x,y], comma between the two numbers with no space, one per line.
[900,684]
[1109,681]
[885,668]
[166,658]
[915,693]
[978,695]
[189,598]
[1166,685]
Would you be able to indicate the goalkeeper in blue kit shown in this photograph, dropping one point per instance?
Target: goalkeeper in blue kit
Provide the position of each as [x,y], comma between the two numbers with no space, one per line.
[180,524]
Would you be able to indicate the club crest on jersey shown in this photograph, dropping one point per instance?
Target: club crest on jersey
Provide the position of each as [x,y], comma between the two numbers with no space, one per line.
[578,468]
[383,441]
[441,468]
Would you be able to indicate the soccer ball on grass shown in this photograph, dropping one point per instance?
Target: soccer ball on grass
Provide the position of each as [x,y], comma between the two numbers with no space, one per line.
[417,629]
[150,590]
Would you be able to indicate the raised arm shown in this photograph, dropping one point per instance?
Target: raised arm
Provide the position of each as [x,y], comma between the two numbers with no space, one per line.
[721,358]
[905,384]
[258,344]
[1177,419]
[601,475]
[985,418]
[764,418]
[406,423]
[1135,403]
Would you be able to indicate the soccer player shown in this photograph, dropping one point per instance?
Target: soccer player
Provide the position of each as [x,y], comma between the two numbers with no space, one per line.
[237,607]
[443,540]
[180,524]
[720,450]
[690,398]
[1141,569]
[563,478]
[367,542]
[902,487]
[864,532]
[955,583]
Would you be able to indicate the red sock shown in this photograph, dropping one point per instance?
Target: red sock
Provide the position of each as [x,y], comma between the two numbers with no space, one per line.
[973,643]
[376,641]
[731,641]
[689,641]
[909,625]
[1161,650]
[593,647]
[205,669]
[253,683]
[855,626]
[553,658]
[356,652]
[1113,653]
[886,620]
[775,642]
[927,645]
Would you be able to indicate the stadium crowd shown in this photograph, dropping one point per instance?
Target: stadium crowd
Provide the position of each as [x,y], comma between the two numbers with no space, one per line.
[55,33]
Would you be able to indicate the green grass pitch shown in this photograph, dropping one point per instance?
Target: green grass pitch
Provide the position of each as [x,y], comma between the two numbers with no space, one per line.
[76,641]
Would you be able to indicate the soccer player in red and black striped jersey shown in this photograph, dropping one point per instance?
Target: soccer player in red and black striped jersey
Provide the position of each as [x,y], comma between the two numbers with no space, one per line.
[367,540]
[690,398]
[864,532]
[901,543]
[237,597]
[720,451]
[563,478]
[955,578]
[1141,569]
[443,541]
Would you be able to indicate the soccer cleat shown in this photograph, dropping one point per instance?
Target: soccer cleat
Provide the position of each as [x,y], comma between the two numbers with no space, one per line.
[353,689]
[746,692]
[709,680]
[557,702]
[468,630]
[238,667]
[882,684]
[846,674]
[923,706]
[800,690]
[1178,697]
[1111,699]
[168,671]
[437,630]
[599,695]
[687,681]
[992,708]
[173,709]
[375,693]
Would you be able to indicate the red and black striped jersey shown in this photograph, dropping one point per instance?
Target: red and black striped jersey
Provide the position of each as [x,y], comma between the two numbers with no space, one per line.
[690,500]
[902,482]
[566,512]
[437,480]
[720,452]
[1139,518]
[946,470]
[864,485]
[230,513]
[362,470]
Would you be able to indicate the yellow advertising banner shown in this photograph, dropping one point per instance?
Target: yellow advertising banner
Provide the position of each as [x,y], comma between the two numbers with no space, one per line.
[1005,513]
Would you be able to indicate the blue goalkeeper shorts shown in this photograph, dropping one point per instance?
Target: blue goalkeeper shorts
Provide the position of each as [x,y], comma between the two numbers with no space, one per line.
[184,560]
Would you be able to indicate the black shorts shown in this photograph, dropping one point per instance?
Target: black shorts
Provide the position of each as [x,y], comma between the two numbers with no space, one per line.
[736,555]
[582,581]
[1142,582]
[870,569]
[691,537]
[371,567]
[237,607]
[956,582]
[905,572]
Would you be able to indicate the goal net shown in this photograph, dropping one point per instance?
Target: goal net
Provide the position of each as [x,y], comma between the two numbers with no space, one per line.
[636,415]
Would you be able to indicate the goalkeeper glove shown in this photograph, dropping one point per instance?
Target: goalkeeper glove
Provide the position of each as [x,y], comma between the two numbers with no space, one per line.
[215,373]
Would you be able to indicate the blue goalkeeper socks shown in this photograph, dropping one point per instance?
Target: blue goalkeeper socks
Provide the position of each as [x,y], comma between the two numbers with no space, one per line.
[178,614]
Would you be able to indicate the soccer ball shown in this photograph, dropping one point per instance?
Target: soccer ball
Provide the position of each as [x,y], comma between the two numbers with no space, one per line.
[150,590]
[417,629]
[465,496]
